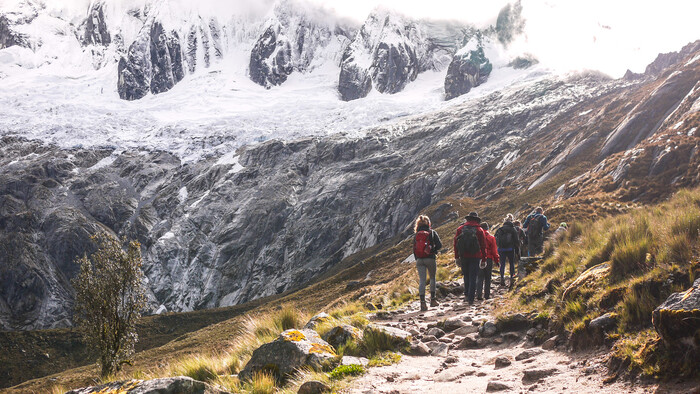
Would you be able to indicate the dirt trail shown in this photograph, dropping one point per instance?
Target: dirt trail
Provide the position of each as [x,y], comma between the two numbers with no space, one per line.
[459,370]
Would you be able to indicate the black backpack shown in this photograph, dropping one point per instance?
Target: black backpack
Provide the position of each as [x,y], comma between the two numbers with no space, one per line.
[504,238]
[468,242]
[534,228]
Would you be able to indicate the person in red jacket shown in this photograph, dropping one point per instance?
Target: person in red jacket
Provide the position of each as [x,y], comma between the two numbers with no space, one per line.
[470,249]
[483,281]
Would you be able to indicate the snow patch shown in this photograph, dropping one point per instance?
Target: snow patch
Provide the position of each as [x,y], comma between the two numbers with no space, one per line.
[507,159]
[677,125]
[194,204]
[692,131]
[585,112]
[182,194]
[161,309]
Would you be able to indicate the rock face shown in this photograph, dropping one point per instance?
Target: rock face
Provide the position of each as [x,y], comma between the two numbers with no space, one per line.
[293,41]
[510,22]
[382,54]
[96,32]
[469,68]
[8,37]
[153,64]
[176,385]
[677,320]
[292,350]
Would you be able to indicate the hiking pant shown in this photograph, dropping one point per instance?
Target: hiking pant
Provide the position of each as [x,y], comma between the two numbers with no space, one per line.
[470,270]
[483,281]
[534,246]
[423,264]
[510,256]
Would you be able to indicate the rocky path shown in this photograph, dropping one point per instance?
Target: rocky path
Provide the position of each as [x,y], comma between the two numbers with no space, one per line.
[462,360]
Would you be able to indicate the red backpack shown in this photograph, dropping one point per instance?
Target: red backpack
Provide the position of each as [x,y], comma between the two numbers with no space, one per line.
[423,247]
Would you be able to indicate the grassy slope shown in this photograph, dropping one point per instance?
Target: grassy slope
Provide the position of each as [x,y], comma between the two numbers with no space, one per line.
[652,252]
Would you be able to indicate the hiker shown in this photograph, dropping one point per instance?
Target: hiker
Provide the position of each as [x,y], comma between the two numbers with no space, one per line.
[508,241]
[483,281]
[426,245]
[535,225]
[563,228]
[522,245]
[470,248]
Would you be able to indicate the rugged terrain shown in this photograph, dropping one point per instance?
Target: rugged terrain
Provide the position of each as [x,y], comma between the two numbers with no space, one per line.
[271,217]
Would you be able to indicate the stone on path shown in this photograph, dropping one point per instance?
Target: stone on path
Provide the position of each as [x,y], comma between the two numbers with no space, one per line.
[350,360]
[502,362]
[419,349]
[550,343]
[529,353]
[533,375]
[466,330]
[469,342]
[488,330]
[314,387]
[429,338]
[436,332]
[438,348]
[339,335]
[453,324]
[497,386]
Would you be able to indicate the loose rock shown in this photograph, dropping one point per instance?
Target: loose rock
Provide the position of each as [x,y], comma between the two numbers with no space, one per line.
[314,387]
[529,353]
[175,385]
[496,386]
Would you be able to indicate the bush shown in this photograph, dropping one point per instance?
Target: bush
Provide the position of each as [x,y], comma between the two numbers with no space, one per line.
[341,371]
[109,298]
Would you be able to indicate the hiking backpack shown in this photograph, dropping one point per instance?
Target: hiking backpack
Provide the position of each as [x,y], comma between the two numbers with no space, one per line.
[504,238]
[534,228]
[468,242]
[423,245]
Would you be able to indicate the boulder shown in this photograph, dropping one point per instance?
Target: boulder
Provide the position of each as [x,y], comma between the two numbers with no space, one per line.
[677,320]
[453,324]
[314,387]
[339,335]
[604,323]
[591,278]
[550,343]
[469,68]
[469,342]
[488,329]
[438,348]
[429,338]
[9,37]
[436,332]
[174,385]
[316,320]
[398,337]
[293,349]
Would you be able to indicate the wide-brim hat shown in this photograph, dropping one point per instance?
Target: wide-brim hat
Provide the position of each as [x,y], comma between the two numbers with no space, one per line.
[473,216]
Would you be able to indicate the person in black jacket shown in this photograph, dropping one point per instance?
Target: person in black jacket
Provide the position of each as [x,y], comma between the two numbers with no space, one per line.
[508,241]
[426,245]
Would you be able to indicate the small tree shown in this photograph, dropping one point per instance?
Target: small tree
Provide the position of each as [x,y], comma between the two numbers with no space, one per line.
[109,298]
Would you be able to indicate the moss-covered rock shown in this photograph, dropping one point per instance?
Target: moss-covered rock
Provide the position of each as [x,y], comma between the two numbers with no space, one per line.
[590,278]
[316,320]
[293,349]
[677,320]
[339,335]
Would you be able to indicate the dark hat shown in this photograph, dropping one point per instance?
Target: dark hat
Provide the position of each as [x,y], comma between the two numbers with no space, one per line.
[473,216]
[485,225]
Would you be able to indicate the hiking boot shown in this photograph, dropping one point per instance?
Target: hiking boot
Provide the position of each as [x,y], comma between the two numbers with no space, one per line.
[433,300]
[423,305]
[479,298]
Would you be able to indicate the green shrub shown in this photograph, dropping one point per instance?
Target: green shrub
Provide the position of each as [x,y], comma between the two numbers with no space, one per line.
[383,359]
[341,371]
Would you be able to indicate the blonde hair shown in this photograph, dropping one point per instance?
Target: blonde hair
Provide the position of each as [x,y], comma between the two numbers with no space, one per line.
[422,220]
[509,218]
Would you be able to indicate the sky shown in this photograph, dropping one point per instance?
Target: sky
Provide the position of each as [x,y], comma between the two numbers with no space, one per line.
[606,35]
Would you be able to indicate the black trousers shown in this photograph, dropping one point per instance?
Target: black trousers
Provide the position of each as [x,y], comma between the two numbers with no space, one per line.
[483,281]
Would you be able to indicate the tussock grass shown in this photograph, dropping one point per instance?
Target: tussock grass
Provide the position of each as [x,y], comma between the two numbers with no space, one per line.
[200,368]
[376,341]
[384,359]
[261,383]
[643,247]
